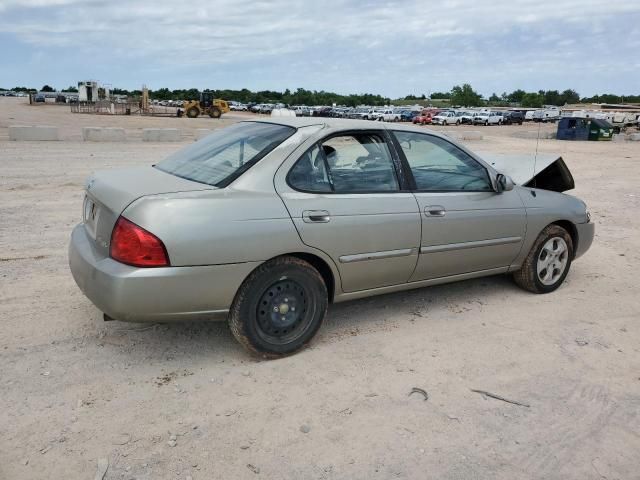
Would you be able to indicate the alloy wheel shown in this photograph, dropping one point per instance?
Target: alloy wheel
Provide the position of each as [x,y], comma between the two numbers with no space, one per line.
[552,260]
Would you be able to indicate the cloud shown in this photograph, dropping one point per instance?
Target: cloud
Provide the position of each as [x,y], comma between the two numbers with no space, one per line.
[393,46]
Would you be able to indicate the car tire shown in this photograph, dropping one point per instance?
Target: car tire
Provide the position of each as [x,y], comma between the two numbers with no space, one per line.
[548,261]
[458,122]
[444,122]
[286,284]
[486,122]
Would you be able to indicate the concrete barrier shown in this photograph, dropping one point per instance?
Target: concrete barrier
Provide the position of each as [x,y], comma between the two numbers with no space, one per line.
[33,133]
[202,132]
[160,135]
[634,137]
[99,134]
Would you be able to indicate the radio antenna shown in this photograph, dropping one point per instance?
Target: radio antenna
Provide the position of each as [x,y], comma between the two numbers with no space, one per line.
[535,158]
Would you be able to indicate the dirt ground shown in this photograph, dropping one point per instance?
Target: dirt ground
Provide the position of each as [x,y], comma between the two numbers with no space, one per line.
[76,390]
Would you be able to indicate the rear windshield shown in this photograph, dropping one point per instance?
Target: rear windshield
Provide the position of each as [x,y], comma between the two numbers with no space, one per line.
[223,156]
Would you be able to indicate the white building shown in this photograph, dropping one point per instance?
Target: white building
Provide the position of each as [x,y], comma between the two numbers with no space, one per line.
[92,91]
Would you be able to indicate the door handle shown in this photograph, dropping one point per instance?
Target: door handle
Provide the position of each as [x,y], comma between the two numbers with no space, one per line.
[434,211]
[316,216]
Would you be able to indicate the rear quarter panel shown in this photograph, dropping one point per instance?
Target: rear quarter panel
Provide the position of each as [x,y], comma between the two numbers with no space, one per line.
[245,222]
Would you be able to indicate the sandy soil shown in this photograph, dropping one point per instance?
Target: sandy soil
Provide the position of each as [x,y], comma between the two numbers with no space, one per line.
[75,389]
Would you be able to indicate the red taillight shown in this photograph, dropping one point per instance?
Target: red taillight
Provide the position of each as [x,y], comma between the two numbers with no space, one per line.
[135,246]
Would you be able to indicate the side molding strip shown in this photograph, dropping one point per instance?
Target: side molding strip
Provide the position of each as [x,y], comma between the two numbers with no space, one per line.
[360,257]
[462,246]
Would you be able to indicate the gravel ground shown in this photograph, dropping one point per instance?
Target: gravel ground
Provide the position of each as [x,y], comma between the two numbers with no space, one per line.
[183,400]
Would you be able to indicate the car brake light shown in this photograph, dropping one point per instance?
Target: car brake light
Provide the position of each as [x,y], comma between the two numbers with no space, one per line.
[133,245]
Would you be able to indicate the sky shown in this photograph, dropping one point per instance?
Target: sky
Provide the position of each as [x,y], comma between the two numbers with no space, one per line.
[393,48]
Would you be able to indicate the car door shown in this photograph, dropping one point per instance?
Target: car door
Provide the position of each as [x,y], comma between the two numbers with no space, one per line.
[346,198]
[466,225]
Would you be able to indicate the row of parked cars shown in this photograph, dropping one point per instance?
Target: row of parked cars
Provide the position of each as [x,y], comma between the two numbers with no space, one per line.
[11,93]
[428,116]
[472,117]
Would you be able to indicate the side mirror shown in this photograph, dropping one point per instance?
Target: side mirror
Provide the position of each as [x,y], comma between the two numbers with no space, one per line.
[504,183]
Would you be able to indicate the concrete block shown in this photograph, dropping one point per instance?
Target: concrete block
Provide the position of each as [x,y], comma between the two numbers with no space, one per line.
[160,135]
[634,137]
[202,132]
[32,133]
[99,134]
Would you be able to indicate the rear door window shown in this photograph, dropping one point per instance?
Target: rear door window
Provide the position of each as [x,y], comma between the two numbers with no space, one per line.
[353,163]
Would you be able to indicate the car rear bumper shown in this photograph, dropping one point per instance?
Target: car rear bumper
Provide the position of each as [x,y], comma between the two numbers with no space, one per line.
[153,294]
[586,232]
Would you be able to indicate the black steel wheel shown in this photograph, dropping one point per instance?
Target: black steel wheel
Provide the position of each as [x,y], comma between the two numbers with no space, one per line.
[279,307]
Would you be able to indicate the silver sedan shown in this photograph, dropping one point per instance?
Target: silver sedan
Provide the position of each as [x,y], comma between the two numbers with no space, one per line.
[264,223]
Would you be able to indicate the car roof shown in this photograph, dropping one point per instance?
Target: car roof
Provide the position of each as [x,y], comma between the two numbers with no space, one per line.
[347,124]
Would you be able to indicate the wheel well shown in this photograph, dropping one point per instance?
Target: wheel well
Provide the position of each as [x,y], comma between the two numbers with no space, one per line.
[322,267]
[571,228]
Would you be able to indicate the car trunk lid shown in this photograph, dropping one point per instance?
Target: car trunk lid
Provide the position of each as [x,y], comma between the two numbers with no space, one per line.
[108,193]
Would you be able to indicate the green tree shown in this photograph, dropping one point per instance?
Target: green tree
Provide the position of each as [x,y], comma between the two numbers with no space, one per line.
[516,96]
[70,89]
[569,96]
[161,94]
[47,88]
[465,96]
[440,95]
[552,97]
[534,100]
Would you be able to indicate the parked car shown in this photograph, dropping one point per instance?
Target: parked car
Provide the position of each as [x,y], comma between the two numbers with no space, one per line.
[488,118]
[302,111]
[528,117]
[512,117]
[408,115]
[424,118]
[359,113]
[466,117]
[373,114]
[546,115]
[446,118]
[266,108]
[322,112]
[39,98]
[389,115]
[237,106]
[264,223]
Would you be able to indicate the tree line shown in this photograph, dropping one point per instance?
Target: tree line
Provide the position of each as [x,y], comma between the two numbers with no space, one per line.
[463,95]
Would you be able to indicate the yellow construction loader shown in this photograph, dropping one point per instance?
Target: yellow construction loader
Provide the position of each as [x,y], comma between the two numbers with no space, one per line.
[214,107]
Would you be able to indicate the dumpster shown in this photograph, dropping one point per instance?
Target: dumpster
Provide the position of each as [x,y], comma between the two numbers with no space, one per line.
[572,128]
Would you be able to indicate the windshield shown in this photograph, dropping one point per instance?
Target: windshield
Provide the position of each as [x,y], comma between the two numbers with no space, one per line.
[223,156]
